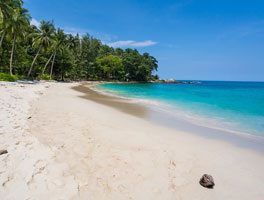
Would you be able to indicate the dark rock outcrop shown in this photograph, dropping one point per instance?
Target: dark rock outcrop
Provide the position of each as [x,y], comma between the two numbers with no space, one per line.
[207,181]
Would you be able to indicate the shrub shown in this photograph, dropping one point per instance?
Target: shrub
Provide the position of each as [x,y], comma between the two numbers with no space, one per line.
[12,78]
[21,77]
[44,77]
[8,77]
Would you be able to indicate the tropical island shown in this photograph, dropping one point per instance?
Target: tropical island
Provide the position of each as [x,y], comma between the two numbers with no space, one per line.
[76,122]
[47,52]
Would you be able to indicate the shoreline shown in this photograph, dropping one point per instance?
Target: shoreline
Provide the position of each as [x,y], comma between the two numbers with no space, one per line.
[91,150]
[191,117]
[165,118]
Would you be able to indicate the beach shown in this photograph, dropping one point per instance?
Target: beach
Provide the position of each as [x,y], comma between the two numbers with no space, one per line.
[66,141]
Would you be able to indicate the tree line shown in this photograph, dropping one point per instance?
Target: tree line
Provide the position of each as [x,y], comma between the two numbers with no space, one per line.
[46,52]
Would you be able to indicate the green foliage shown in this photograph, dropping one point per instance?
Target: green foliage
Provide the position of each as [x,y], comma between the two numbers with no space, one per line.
[43,37]
[111,67]
[11,78]
[45,53]
[44,77]
[7,77]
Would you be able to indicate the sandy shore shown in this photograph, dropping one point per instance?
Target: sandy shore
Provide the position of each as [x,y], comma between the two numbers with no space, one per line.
[68,145]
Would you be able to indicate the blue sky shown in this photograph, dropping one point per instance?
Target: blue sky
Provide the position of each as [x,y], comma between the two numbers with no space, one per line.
[192,39]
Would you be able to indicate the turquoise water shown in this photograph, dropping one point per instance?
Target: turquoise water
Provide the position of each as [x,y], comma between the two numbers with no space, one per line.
[238,106]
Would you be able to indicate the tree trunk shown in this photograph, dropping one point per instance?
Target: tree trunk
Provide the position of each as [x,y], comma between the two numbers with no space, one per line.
[1,62]
[2,38]
[31,67]
[46,65]
[52,64]
[12,54]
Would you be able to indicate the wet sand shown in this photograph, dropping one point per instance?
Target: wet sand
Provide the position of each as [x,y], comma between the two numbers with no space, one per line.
[112,101]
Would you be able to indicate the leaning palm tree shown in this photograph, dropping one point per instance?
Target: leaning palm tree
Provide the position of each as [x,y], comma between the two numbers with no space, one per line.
[4,9]
[61,39]
[47,63]
[42,39]
[59,43]
[19,23]
[7,8]
[5,14]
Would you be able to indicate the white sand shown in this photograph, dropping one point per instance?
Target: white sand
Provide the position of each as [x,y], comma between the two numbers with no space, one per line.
[78,149]
[29,170]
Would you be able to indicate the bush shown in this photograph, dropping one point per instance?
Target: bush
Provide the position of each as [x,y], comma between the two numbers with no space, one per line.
[12,78]
[21,77]
[44,77]
[8,77]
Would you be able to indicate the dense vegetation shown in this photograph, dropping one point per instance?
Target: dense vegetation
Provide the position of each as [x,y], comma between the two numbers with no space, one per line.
[46,52]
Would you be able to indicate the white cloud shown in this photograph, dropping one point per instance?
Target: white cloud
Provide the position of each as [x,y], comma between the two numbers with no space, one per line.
[131,43]
[35,22]
[102,36]
[105,38]
[74,31]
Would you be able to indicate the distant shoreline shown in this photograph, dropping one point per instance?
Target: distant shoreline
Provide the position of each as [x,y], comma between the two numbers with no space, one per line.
[143,82]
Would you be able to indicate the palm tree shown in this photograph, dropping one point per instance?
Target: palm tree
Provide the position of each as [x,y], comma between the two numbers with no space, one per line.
[7,8]
[5,14]
[53,53]
[42,39]
[60,45]
[19,23]
[4,9]
[73,42]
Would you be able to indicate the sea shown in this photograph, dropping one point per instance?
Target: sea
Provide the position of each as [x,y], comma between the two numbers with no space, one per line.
[230,105]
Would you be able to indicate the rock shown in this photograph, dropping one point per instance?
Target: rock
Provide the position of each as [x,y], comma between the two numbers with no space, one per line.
[207,181]
[3,152]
